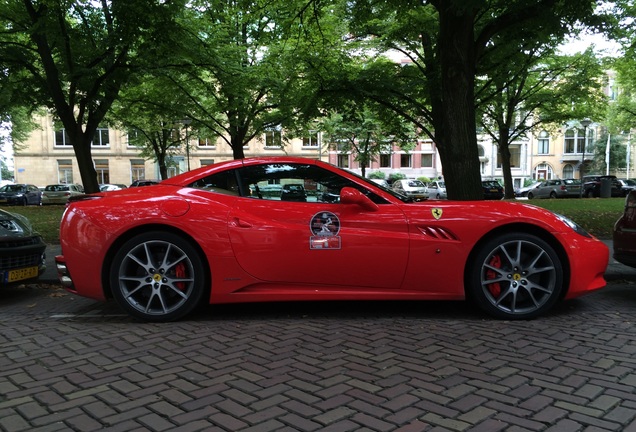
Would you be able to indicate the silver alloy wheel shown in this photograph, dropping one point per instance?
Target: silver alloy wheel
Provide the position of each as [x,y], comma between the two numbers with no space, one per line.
[156,277]
[520,278]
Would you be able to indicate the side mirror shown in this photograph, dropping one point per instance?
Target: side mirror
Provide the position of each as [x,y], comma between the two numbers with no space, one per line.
[349,195]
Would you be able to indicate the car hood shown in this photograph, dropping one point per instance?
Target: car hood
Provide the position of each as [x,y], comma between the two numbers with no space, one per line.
[14,225]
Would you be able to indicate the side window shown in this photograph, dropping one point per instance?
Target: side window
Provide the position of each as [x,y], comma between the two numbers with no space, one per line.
[295,183]
[223,182]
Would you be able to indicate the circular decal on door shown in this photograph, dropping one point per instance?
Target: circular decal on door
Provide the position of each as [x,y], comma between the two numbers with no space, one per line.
[325,223]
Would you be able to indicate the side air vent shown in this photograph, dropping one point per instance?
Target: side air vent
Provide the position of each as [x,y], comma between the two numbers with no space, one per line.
[437,233]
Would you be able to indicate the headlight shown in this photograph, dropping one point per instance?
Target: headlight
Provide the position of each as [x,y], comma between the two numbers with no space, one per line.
[576,227]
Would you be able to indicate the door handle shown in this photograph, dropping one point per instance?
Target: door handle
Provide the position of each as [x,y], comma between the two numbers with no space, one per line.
[241,223]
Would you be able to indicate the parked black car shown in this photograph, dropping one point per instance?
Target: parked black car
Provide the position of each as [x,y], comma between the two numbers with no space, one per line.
[592,186]
[627,185]
[138,183]
[21,250]
[492,190]
[293,192]
[20,194]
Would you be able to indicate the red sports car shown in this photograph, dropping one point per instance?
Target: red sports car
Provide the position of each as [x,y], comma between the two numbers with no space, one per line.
[222,234]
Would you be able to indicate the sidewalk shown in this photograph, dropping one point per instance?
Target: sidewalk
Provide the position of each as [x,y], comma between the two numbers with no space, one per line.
[615,270]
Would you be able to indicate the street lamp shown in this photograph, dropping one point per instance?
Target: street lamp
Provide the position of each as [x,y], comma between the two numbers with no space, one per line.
[585,123]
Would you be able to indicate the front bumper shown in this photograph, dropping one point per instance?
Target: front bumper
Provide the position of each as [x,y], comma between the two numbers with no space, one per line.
[21,259]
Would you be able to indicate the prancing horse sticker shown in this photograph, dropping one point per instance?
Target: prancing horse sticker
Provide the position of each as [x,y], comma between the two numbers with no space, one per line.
[437,212]
[325,227]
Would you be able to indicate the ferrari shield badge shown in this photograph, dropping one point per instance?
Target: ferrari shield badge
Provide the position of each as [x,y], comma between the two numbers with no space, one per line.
[437,213]
[325,227]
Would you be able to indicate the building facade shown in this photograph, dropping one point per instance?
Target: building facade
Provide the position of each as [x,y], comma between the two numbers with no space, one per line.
[48,158]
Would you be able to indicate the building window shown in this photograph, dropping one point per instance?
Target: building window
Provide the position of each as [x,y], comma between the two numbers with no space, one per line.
[343,160]
[405,161]
[62,138]
[311,139]
[385,160]
[206,162]
[574,140]
[65,171]
[100,139]
[134,137]
[427,160]
[137,169]
[543,144]
[101,166]
[273,138]
[206,143]
[568,171]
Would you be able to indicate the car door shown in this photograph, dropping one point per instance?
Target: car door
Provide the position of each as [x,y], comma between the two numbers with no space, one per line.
[544,189]
[319,242]
[33,194]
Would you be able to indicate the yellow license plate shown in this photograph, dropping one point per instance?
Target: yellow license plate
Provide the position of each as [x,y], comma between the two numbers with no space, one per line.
[20,274]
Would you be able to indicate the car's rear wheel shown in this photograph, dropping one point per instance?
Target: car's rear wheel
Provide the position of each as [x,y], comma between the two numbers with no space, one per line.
[553,195]
[515,276]
[157,276]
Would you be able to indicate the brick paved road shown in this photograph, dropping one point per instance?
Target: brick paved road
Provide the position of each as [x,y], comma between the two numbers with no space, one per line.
[68,363]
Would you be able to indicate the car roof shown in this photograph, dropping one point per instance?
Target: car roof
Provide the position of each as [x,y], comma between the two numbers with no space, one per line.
[189,176]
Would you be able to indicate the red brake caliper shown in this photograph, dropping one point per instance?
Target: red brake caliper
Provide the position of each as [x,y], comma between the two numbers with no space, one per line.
[494,288]
[179,273]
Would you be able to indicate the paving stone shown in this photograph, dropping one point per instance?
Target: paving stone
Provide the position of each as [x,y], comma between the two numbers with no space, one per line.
[312,368]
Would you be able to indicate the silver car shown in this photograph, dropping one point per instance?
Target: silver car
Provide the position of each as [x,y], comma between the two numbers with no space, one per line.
[411,188]
[437,189]
[557,188]
[60,193]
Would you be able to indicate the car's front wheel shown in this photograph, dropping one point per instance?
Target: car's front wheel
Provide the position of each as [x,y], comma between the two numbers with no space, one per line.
[157,276]
[530,195]
[515,276]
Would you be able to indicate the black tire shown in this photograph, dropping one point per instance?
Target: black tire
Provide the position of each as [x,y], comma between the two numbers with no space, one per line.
[158,277]
[515,276]
[553,195]
[530,195]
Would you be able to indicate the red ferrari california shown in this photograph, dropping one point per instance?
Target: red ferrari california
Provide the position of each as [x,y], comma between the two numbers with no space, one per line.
[291,229]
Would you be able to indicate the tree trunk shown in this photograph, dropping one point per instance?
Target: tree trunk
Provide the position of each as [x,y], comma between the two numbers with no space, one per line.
[82,147]
[504,153]
[457,131]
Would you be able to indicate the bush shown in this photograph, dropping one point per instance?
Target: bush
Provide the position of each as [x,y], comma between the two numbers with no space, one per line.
[377,175]
[396,176]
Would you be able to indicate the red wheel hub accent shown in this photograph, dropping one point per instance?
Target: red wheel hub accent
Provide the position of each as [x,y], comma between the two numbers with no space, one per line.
[494,288]
[180,272]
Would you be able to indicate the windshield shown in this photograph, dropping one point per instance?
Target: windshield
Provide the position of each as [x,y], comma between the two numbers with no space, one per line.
[56,188]
[12,188]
